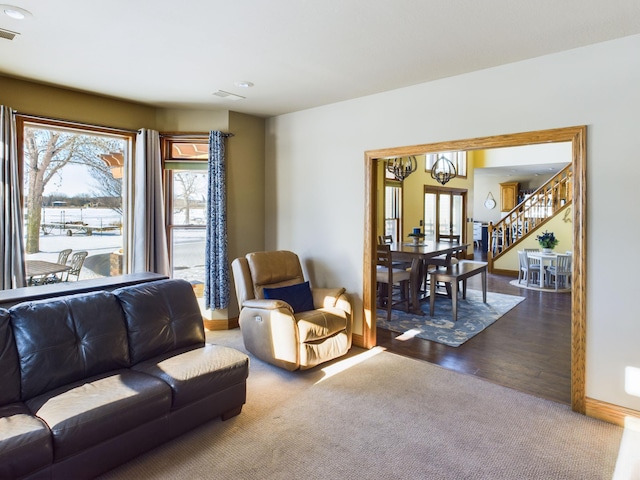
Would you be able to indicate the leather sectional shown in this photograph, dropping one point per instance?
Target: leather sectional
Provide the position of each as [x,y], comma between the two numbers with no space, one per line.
[89,381]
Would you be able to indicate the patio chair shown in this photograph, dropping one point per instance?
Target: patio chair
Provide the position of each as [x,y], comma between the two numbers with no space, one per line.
[62,260]
[77,260]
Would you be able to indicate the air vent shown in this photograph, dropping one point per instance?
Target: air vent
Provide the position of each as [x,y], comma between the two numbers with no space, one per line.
[227,95]
[8,34]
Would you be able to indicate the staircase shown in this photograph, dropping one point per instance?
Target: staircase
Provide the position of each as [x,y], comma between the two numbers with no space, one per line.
[530,214]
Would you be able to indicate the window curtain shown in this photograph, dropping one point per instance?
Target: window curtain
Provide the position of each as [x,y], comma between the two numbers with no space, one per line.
[216,286]
[11,227]
[149,251]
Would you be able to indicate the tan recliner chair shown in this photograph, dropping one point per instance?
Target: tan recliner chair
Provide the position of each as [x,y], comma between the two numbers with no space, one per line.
[270,328]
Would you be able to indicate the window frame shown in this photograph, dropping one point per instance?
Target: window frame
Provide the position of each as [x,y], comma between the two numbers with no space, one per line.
[128,137]
[171,164]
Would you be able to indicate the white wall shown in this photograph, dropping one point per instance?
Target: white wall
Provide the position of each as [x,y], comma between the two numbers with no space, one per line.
[315,185]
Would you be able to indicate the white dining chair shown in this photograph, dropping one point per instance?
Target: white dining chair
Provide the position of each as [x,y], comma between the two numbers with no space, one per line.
[560,272]
[528,268]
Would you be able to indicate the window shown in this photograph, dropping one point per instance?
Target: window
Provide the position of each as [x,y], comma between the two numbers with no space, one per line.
[444,214]
[393,209]
[459,160]
[185,165]
[73,196]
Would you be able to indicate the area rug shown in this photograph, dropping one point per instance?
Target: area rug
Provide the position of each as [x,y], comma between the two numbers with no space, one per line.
[536,287]
[473,317]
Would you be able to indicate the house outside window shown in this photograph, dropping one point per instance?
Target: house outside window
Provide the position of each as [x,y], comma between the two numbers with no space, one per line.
[73,197]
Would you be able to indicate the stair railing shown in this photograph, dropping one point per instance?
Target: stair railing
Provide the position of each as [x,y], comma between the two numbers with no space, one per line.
[530,214]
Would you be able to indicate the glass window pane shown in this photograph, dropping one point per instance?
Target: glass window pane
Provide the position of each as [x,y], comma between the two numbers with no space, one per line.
[73,199]
[187,248]
[191,150]
[189,197]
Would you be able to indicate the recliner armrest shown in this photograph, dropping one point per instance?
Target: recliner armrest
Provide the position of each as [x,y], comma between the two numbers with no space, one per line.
[327,297]
[266,304]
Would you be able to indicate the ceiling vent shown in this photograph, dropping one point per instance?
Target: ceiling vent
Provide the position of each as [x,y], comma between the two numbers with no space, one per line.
[227,95]
[8,34]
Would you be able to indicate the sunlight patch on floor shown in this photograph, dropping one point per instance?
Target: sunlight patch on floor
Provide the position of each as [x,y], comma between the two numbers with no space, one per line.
[408,335]
[628,463]
[342,365]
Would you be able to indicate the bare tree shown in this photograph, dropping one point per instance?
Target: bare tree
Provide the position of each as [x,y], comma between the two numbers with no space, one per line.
[191,184]
[46,152]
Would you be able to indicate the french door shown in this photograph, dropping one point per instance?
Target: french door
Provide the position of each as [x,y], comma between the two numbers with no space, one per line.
[444,214]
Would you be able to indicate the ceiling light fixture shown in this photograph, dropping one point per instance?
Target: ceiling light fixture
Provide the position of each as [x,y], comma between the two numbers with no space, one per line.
[14,12]
[402,167]
[443,170]
[244,84]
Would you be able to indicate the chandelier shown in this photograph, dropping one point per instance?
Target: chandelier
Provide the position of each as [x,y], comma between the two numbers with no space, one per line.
[443,170]
[402,167]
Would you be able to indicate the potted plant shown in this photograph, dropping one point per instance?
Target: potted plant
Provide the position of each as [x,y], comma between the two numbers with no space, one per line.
[417,235]
[547,241]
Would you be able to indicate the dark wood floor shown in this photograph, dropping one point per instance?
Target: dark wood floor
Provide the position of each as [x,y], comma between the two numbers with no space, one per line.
[528,349]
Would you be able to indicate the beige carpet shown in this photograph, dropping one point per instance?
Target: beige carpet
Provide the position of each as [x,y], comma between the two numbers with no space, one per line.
[380,415]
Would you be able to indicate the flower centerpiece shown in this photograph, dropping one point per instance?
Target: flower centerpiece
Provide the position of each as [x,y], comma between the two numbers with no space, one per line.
[417,235]
[547,241]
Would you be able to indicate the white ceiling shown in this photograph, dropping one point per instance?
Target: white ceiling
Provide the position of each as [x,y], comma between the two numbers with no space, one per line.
[298,53]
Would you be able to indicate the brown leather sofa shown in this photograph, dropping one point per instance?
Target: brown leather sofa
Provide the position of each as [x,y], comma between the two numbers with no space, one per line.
[92,380]
[274,327]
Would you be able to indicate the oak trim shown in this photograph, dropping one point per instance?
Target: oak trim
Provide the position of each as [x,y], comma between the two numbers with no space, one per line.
[577,136]
[608,412]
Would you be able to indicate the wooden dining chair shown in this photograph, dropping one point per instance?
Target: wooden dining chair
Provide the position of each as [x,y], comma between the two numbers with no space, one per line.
[387,277]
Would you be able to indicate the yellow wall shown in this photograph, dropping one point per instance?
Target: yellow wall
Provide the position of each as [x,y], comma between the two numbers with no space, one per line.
[36,99]
[560,225]
[413,197]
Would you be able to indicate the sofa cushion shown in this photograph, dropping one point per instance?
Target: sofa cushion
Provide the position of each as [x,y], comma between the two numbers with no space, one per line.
[25,442]
[9,363]
[99,408]
[298,296]
[198,373]
[65,339]
[161,317]
[319,324]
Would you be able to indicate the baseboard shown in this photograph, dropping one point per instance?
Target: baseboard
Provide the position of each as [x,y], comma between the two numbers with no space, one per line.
[357,340]
[609,412]
[506,273]
[221,324]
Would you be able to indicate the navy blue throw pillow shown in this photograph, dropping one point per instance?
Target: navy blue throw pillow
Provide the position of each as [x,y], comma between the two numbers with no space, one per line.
[298,296]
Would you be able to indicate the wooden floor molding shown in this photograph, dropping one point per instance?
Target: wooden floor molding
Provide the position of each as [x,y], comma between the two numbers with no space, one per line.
[609,412]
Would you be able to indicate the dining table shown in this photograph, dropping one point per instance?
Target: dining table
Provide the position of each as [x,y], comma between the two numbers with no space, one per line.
[419,255]
[546,259]
[43,268]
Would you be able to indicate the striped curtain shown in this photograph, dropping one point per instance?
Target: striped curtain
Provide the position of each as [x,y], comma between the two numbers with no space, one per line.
[216,285]
[11,226]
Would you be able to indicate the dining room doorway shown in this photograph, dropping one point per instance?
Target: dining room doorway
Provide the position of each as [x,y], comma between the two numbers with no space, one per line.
[577,137]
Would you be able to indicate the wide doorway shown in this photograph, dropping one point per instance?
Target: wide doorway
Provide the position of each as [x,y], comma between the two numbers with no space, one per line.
[574,135]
